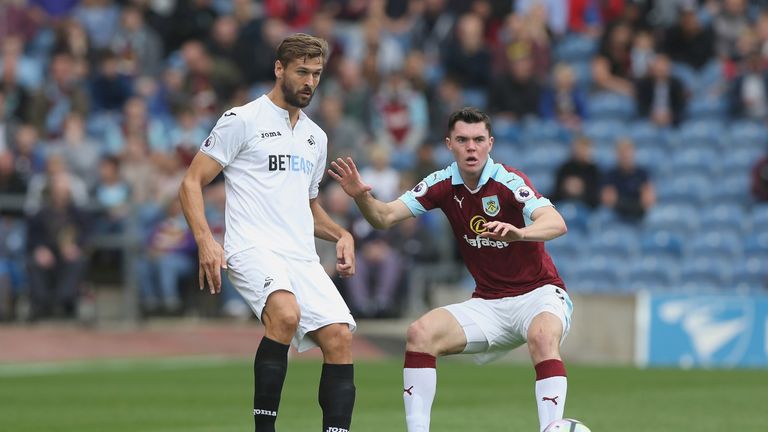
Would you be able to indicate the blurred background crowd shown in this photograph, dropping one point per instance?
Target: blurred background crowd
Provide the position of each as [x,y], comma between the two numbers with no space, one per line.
[644,120]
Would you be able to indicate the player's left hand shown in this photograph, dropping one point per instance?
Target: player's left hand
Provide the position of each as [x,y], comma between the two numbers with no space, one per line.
[497,230]
[345,256]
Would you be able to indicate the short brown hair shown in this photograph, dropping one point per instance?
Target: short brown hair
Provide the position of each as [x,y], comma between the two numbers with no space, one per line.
[301,46]
[469,115]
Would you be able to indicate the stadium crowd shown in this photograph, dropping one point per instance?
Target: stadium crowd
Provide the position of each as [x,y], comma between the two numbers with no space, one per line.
[645,121]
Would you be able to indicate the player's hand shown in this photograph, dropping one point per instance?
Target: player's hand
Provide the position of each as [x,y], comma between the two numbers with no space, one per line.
[211,262]
[345,256]
[345,172]
[497,230]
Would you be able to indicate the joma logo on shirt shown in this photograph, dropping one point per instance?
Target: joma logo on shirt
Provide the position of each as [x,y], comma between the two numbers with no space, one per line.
[288,162]
[270,134]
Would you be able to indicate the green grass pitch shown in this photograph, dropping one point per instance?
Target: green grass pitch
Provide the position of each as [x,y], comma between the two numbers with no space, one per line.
[215,395]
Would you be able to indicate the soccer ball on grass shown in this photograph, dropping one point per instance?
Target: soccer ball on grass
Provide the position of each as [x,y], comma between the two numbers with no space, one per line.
[567,425]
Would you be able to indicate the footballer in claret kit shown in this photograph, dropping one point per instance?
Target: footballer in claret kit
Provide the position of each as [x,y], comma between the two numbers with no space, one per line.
[500,222]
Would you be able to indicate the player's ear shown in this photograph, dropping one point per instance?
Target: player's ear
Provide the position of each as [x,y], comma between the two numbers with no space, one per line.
[448,142]
[279,69]
[490,143]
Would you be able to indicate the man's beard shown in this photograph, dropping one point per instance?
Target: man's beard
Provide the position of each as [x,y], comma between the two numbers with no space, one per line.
[292,98]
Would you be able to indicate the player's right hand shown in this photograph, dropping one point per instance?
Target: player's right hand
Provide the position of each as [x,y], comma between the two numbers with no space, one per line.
[211,262]
[345,172]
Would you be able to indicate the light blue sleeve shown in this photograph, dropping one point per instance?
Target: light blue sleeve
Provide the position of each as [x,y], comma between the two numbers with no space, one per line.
[422,190]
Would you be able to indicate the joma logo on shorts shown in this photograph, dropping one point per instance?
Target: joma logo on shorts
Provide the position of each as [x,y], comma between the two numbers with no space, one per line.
[335,429]
[257,411]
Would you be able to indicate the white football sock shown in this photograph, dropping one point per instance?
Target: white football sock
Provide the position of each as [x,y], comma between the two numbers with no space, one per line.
[550,398]
[419,385]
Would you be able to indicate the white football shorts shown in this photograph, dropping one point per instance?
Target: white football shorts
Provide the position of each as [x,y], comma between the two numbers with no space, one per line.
[493,327]
[256,273]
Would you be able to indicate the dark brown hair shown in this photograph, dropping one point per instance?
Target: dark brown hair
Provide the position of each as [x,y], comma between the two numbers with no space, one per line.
[301,46]
[469,115]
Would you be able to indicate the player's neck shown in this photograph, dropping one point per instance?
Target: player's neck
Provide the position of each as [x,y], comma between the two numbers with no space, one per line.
[277,98]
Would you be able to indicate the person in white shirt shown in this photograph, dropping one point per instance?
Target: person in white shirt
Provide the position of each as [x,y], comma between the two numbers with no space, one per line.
[273,158]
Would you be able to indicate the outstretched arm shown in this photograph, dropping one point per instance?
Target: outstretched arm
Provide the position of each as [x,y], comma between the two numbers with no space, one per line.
[547,225]
[378,213]
[202,170]
[327,229]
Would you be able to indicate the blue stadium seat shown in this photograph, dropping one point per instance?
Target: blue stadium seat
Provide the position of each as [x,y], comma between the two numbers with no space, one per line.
[747,134]
[723,245]
[533,132]
[751,274]
[707,268]
[575,48]
[710,78]
[740,159]
[685,189]
[575,214]
[583,72]
[646,134]
[546,156]
[733,189]
[681,218]
[654,158]
[700,133]
[756,243]
[652,272]
[696,160]
[604,130]
[706,108]
[723,217]
[543,179]
[662,242]
[759,218]
[621,242]
[610,106]
[597,273]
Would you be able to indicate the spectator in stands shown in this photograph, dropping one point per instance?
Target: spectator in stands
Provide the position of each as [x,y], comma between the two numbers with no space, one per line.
[467,58]
[642,54]
[379,272]
[12,275]
[516,95]
[346,136]
[11,182]
[383,178]
[661,97]
[210,82]
[25,68]
[138,47]
[232,304]
[748,95]
[186,134]
[627,188]
[190,20]
[39,184]
[100,18]
[56,237]
[760,180]
[61,94]
[6,125]
[401,119]
[110,87]
[563,101]
[447,98]
[15,97]
[611,69]
[521,37]
[112,196]
[81,152]
[689,41]
[432,28]
[29,153]
[167,261]
[729,24]
[578,178]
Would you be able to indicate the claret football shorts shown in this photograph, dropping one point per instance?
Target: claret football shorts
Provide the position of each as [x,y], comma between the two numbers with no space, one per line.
[256,273]
[493,327]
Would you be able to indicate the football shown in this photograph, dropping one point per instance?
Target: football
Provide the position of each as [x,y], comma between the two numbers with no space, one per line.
[567,425]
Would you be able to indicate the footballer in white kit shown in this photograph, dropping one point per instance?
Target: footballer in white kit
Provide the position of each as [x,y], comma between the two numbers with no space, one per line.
[271,172]
[273,157]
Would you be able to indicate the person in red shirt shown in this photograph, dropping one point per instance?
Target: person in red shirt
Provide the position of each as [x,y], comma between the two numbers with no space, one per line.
[500,222]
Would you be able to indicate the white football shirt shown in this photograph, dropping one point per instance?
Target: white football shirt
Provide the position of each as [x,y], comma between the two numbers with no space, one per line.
[271,172]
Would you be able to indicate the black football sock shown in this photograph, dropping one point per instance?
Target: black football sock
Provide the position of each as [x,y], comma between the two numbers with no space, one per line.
[337,396]
[269,369]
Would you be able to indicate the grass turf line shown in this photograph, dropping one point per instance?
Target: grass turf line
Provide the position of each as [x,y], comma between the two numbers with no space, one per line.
[211,395]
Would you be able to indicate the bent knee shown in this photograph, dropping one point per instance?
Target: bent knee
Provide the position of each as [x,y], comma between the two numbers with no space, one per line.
[420,338]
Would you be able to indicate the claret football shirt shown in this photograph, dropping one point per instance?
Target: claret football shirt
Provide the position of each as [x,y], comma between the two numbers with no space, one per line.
[271,172]
[500,269]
